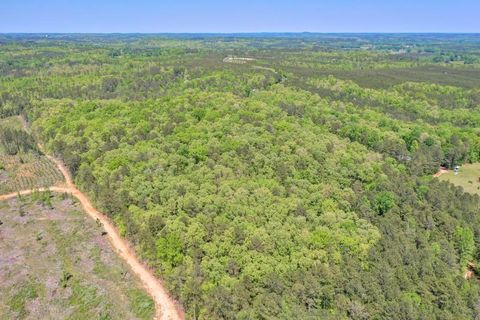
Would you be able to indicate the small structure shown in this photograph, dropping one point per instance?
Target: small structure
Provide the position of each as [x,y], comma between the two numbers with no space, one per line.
[471,271]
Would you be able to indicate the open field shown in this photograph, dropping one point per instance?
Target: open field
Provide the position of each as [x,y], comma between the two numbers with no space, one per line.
[467,178]
[39,187]
[55,264]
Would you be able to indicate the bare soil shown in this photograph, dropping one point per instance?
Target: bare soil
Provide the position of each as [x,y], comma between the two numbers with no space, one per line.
[167,308]
[51,267]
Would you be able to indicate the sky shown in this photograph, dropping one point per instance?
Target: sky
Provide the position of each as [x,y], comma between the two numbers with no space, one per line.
[190,16]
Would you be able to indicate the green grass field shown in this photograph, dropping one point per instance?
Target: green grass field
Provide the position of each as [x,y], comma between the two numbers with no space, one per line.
[467,178]
[55,264]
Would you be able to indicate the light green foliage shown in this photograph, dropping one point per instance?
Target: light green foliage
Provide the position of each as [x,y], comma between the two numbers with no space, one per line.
[465,244]
[297,185]
[169,250]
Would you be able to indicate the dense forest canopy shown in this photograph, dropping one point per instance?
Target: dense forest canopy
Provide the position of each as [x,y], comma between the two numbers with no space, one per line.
[270,175]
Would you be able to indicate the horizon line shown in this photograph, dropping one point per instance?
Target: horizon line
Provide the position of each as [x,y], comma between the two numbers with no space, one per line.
[246,32]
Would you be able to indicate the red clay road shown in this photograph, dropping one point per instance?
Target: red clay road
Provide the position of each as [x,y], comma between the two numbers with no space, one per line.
[167,308]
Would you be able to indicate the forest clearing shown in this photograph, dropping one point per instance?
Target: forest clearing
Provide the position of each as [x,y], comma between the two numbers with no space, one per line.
[57,265]
[468,177]
[166,308]
[26,169]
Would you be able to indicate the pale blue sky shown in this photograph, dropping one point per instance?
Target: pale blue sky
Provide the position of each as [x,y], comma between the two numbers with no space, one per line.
[239,16]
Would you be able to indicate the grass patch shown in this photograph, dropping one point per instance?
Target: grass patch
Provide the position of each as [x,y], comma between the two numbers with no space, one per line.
[77,274]
[141,304]
[467,178]
[11,123]
[18,301]
[86,302]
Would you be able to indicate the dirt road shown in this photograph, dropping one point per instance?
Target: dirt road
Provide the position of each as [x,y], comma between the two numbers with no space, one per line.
[166,307]
[440,172]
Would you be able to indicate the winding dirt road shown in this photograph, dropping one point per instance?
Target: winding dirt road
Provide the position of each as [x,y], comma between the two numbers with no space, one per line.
[166,307]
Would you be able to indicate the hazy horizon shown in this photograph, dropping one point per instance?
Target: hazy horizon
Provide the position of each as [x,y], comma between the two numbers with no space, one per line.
[247,33]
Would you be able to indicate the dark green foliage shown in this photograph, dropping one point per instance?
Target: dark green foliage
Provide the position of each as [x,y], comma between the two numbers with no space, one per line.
[43,197]
[65,278]
[14,141]
[384,201]
[272,188]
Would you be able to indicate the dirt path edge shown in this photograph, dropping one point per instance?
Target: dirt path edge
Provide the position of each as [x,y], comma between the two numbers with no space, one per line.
[166,307]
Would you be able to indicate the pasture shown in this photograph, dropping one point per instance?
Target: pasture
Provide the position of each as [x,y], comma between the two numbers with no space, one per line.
[468,178]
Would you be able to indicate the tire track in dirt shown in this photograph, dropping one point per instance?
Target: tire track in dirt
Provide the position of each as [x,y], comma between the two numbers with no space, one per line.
[166,307]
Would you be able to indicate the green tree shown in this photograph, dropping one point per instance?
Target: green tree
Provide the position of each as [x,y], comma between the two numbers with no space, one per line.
[384,201]
[465,244]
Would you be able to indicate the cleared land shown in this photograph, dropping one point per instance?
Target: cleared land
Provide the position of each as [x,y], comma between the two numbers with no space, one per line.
[52,176]
[467,178]
[55,264]
[25,170]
